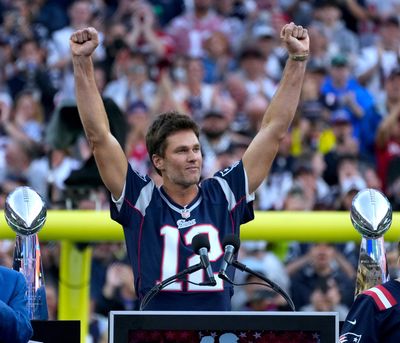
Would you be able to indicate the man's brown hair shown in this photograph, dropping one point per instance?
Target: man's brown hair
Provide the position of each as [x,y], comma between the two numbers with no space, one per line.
[164,125]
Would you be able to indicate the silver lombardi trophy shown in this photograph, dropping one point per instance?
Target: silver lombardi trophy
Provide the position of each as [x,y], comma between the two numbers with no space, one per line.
[25,213]
[371,215]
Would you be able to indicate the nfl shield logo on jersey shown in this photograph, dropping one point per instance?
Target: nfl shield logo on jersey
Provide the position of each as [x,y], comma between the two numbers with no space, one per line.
[185,213]
[350,338]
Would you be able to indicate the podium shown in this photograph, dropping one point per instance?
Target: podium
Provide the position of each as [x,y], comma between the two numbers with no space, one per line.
[56,331]
[224,327]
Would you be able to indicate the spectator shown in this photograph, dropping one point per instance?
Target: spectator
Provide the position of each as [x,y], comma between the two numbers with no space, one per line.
[259,297]
[253,112]
[193,27]
[257,256]
[252,70]
[32,75]
[80,13]
[391,96]
[345,144]
[144,35]
[235,88]
[326,297]
[376,62]
[218,59]
[265,38]
[388,142]
[341,40]
[21,168]
[272,192]
[320,55]
[166,11]
[138,119]
[26,121]
[194,95]
[118,292]
[104,255]
[132,84]
[322,261]
[216,137]
[341,90]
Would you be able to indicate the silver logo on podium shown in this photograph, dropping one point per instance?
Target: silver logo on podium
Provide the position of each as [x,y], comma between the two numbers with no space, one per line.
[371,215]
[25,213]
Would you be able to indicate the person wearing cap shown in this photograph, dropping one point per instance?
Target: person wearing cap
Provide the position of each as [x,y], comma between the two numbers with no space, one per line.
[15,325]
[266,40]
[341,90]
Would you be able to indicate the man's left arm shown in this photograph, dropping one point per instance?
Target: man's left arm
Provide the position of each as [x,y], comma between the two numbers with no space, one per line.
[15,325]
[258,158]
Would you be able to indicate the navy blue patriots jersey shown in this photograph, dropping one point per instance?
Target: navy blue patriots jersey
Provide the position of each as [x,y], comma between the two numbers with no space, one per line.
[159,232]
[374,316]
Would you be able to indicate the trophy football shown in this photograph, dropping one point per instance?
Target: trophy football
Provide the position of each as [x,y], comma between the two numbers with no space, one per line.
[371,215]
[25,213]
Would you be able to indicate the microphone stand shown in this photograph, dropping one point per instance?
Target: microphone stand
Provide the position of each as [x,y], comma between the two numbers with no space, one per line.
[270,283]
[158,287]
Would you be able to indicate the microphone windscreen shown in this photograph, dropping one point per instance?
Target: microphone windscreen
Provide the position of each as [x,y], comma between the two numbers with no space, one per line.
[233,240]
[200,241]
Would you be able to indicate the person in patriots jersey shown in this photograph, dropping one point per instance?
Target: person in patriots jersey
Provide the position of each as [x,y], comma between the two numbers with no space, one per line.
[374,316]
[160,222]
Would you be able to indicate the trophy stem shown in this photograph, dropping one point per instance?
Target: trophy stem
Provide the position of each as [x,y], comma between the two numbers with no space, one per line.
[27,260]
[372,266]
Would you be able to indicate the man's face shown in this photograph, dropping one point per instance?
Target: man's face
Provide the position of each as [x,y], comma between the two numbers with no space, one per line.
[182,161]
[340,74]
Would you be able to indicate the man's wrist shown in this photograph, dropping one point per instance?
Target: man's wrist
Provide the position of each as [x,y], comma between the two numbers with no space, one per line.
[303,56]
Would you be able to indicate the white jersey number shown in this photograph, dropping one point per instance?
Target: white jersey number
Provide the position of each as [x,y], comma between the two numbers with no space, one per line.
[170,257]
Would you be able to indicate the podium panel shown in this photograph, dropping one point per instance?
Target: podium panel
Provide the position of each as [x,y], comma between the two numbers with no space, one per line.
[56,331]
[224,327]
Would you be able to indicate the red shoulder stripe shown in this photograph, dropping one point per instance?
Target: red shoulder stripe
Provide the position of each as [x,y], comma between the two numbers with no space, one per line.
[382,297]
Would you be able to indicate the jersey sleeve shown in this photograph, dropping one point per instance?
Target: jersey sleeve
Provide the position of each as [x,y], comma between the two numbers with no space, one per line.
[234,184]
[362,322]
[138,191]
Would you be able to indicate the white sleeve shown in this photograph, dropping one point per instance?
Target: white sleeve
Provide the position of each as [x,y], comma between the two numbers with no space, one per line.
[118,203]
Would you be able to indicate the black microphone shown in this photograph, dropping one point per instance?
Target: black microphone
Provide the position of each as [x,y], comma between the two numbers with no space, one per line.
[231,244]
[201,246]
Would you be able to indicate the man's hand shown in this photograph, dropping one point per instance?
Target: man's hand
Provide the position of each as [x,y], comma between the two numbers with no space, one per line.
[84,42]
[296,39]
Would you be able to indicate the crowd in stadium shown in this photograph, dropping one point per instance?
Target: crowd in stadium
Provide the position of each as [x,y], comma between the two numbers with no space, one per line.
[219,61]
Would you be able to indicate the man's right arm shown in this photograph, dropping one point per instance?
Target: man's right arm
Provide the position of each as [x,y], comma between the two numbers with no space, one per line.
[109,155]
